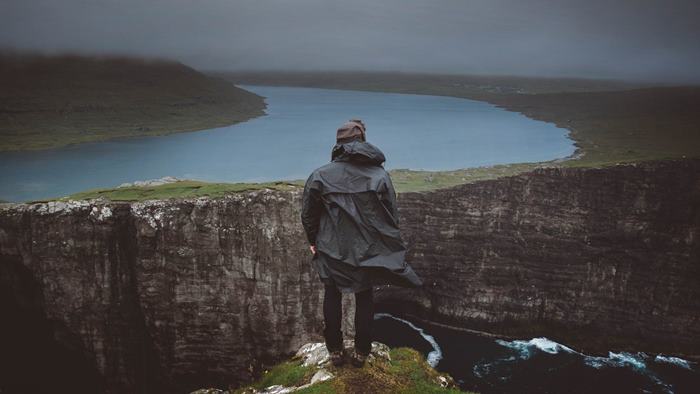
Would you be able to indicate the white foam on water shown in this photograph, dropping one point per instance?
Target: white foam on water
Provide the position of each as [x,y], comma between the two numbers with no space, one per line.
[636,361]
[543,344]
[624,358]
[673,360]
[435,355]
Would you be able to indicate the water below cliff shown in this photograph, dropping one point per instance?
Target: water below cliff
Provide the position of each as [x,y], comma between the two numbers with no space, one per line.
[415,131]
[537,365]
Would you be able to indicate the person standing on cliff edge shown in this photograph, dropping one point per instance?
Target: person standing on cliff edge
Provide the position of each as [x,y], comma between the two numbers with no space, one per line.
[351,220]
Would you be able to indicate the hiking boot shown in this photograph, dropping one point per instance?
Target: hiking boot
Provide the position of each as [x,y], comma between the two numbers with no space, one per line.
[358,358]
[337,357]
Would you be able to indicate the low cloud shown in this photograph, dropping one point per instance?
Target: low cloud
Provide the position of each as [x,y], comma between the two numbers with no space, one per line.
[631,39]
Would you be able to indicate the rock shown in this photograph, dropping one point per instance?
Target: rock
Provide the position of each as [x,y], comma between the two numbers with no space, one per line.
[320,376]
[151,182]
[185,286]
[316,353]
[277,389]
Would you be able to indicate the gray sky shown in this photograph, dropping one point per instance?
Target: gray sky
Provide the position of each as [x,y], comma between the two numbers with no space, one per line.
[632,39]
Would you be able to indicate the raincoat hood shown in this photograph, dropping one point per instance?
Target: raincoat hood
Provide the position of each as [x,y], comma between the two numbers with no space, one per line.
[360,152]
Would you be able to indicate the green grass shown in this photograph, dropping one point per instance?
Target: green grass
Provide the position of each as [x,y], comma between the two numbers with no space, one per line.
[290,373]
[406,373]
[180,189]
[404,181]
[417,181]
[415,374]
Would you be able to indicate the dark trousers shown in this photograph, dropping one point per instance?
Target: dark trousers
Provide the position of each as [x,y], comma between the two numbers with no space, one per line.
[333,315]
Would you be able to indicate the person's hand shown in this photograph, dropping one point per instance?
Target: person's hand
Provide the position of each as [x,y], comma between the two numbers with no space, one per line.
[312,248]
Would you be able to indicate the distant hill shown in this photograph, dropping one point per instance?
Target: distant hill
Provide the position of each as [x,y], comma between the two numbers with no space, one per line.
[52,101]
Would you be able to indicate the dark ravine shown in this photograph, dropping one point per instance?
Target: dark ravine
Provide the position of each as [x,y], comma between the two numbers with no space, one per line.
[183,294]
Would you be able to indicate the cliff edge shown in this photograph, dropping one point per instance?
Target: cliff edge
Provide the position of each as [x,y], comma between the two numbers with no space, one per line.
[401,370]
[180,294]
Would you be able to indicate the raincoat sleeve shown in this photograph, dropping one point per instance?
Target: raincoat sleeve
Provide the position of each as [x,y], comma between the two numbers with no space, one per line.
[388,198]
[311,209]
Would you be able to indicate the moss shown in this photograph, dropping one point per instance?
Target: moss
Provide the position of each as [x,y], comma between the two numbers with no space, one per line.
[328,387]
[417,376]
[407,373]
[290,373]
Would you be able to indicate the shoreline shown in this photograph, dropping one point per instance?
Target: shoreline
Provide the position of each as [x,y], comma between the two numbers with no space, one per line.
[167,131]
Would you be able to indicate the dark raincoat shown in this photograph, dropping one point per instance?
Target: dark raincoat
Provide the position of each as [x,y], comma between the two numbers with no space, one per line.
[349,213]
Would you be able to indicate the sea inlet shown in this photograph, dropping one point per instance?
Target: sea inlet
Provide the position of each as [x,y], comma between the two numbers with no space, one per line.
[415,131]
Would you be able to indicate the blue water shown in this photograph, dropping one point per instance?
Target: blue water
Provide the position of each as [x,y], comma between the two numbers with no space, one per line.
[414,131]
[536,365]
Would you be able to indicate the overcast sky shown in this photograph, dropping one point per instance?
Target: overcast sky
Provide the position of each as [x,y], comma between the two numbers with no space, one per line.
[633,39]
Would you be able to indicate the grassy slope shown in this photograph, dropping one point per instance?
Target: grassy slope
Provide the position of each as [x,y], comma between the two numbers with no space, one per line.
[407,373]
[48,102]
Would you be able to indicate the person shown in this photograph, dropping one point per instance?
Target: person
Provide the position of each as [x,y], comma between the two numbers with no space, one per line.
[350,217]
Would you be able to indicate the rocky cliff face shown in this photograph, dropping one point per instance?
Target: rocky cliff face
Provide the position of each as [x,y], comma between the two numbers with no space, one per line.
[181,294]
[599,258]
[167,294]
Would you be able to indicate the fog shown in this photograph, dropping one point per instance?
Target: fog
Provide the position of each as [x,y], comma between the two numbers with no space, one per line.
[630,39]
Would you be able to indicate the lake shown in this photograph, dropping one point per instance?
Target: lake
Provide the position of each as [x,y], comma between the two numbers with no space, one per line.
[296,136]
[536,365]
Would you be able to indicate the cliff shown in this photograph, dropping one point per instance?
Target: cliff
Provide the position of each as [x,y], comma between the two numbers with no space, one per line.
[192,293]
[169,294]
[597,258]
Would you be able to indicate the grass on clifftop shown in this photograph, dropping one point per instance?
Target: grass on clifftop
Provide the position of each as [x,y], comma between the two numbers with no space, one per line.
[406,373]
[180,189]
[404,181]
[418,181]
